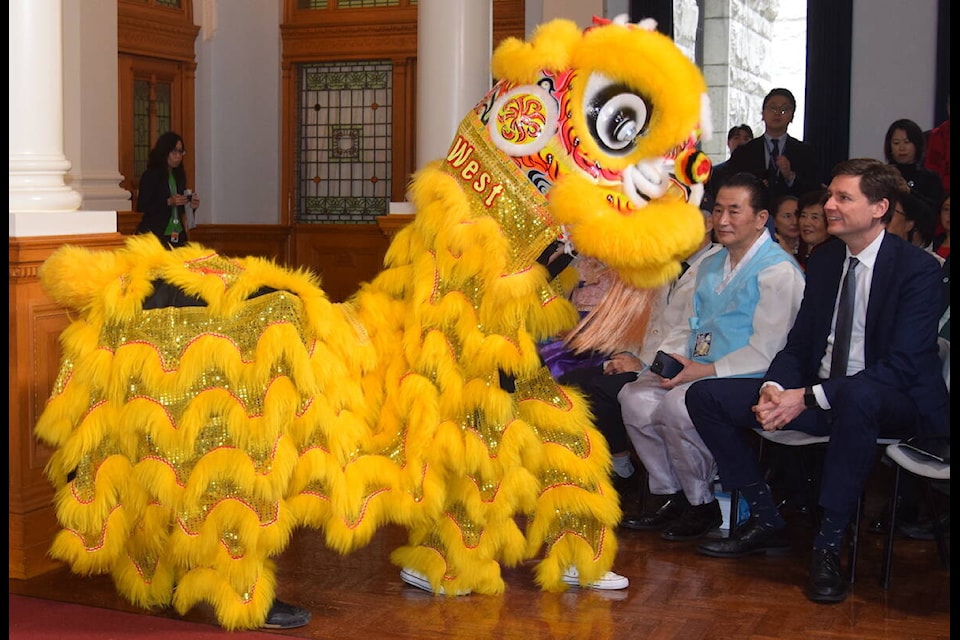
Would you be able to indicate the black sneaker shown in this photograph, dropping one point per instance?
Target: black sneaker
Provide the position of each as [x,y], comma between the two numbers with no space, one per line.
[286,616]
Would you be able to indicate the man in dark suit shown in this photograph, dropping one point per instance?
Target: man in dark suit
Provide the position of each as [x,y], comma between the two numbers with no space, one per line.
[785,164]
[738,135]
[889,384]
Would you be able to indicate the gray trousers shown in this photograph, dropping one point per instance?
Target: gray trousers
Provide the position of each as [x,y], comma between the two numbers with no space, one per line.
[665,439]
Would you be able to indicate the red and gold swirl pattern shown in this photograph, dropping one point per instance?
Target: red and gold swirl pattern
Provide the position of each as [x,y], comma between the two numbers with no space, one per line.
[522,118]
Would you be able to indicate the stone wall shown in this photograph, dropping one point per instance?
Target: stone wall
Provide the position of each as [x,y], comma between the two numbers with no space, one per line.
[749,47]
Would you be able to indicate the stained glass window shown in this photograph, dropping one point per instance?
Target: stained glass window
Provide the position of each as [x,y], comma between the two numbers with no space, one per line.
[345,121]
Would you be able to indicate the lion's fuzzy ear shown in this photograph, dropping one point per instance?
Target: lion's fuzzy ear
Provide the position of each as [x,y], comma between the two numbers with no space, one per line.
[77,278]
[74,290]
[550,48]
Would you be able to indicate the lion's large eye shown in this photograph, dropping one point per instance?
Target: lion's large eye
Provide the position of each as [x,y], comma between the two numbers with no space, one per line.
[615,114]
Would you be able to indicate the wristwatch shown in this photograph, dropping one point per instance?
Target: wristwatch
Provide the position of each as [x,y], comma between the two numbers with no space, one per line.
[809,398]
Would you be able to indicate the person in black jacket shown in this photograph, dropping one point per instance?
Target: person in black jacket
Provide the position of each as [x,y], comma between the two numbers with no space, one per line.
[903,147]
[161,197]
[790,168]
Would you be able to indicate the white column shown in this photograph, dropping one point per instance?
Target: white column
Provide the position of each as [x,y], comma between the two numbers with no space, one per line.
[91,138]
[40,203]
[454,40]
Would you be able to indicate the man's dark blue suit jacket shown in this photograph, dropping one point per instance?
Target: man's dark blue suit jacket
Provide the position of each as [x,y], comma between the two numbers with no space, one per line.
[901,328]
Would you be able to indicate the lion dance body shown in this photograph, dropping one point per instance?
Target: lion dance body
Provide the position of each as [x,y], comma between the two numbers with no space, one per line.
[208,406]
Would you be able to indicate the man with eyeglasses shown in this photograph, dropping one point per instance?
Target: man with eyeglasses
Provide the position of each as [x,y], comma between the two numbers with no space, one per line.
[785,164]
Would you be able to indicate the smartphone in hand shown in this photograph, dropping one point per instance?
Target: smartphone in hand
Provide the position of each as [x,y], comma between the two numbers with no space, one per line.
[665,365]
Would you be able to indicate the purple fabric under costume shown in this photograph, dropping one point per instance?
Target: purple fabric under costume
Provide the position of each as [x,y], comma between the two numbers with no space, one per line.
[560,359]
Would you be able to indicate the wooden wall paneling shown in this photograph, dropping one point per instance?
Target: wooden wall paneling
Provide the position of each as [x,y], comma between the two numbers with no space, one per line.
[125,83]
[127,222]
[344,255]
[508,21]
[404,126]
[237,240]
[341,17]
[289,106]
[391,224]
[508,17]
[34,324]
[335,42]
[166,33]
[31,535]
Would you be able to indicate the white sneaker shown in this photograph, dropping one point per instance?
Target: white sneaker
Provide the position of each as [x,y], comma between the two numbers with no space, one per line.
[417,579]
[610,580]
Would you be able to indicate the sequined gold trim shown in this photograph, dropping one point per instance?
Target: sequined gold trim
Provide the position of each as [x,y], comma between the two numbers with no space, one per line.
[498,189]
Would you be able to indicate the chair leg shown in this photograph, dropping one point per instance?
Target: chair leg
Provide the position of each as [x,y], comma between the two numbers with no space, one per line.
[938,532]
[891,530]
[855,541]
[734,510]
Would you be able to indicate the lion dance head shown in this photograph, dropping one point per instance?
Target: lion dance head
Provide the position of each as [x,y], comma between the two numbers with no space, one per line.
[608,141]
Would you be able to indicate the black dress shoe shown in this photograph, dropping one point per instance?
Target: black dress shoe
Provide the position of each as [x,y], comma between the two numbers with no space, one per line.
[906,516]
[695,522]
[752,537]
[628,488]
[826,583]
[673,505]
[924,530]
[286,616]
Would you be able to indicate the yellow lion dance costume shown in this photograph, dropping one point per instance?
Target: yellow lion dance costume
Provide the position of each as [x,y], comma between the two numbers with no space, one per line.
[208,406]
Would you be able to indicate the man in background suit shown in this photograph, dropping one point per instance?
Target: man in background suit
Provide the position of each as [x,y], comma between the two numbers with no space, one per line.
[785,164]
[891,384]
[738,135]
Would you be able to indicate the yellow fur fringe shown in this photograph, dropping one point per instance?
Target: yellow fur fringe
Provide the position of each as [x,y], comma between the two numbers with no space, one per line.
[191,442]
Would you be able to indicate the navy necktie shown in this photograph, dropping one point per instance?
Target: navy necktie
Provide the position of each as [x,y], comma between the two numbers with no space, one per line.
[844,328]
[774,154]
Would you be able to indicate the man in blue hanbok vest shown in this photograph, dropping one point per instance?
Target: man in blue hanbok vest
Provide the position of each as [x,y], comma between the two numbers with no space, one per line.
[745,300]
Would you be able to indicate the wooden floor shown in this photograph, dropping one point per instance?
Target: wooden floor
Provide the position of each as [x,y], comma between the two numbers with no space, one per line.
[674,593]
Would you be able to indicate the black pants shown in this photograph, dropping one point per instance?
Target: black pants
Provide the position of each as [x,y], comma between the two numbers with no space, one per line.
[601,391]
[862,411]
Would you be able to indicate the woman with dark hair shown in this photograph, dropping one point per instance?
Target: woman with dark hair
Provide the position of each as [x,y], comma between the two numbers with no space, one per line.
[163,195]
[813,223]
[914,221]
[786,226]
[903,147]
